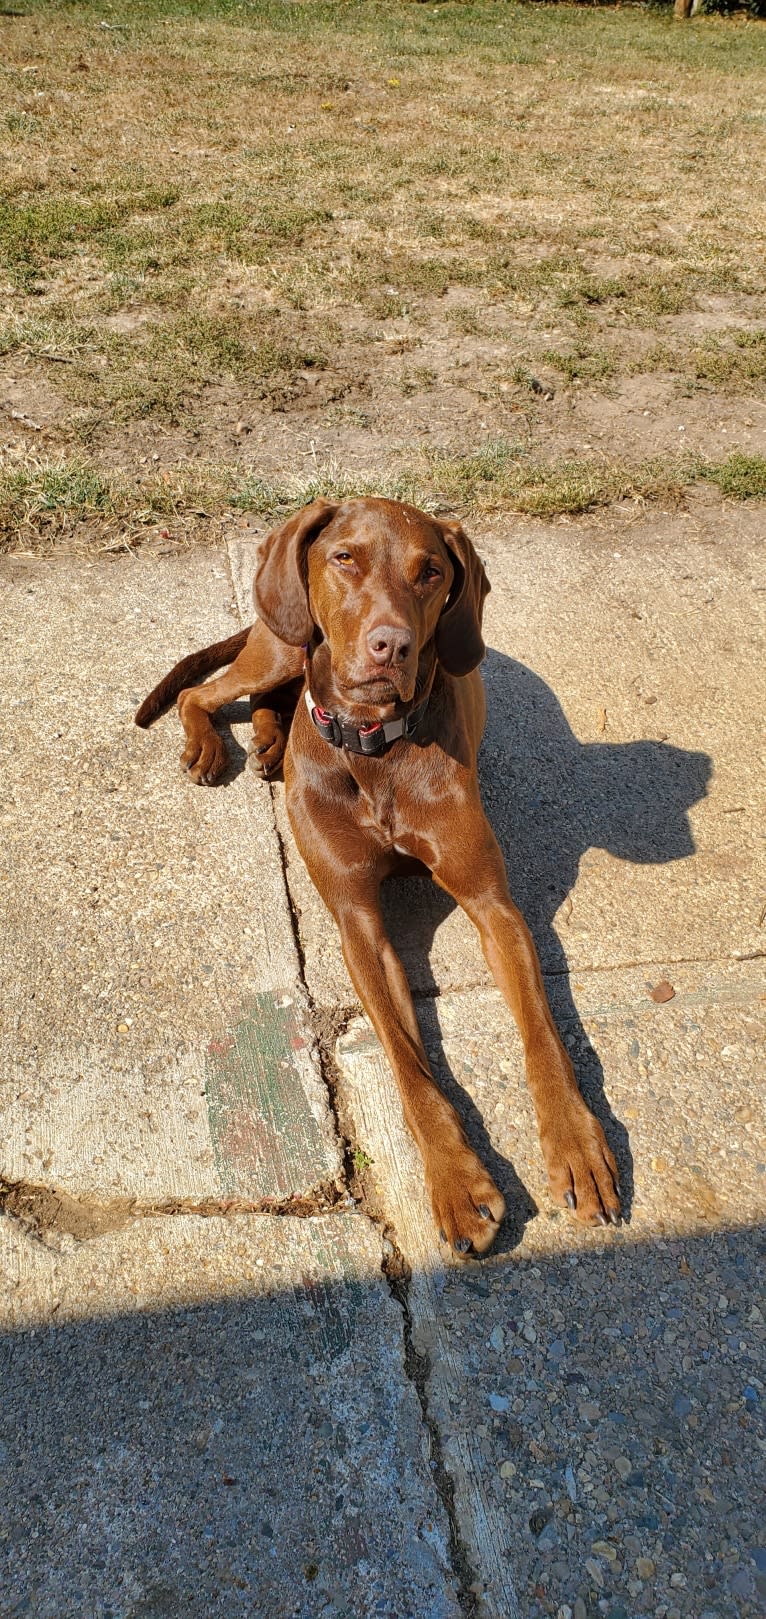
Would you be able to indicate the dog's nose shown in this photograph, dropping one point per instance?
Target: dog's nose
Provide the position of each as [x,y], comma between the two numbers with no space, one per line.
[389,643]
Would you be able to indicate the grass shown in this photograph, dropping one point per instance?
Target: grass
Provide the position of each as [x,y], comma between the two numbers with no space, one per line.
[41,500]
[739,477]
[732,362]
[209,204]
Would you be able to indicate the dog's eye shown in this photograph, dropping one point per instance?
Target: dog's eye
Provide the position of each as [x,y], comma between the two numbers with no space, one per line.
[343,557]
[431,571]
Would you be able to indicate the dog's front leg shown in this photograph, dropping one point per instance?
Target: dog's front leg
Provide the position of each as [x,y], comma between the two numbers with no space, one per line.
[264,663]
[581,1167]
[467,1205]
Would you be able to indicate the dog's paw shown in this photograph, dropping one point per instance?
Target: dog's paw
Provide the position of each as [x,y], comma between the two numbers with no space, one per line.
[466,1203]
[582,1169]
[267,749]
[205,760]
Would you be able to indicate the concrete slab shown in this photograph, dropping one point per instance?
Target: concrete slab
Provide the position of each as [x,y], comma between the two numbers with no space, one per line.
[154,1041]
[587,1386]
[213,1418]
[623,762]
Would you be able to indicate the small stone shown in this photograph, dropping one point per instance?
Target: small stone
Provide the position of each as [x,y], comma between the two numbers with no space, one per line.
[644,1568]
[499,1402]
[507,1470]
[540,1519]
[497,1339]
[603,1549]
[662,992]
[682,1405]
[595,1572]
[529,1334]
[660,1165]
[678,1581]
[564,1612]
[623,1468]
[580,1611]
[590,1411]
[571,1483]
[123,1028]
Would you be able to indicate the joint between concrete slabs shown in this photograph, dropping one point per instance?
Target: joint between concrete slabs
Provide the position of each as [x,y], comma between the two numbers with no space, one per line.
[596,969]
[395,1273]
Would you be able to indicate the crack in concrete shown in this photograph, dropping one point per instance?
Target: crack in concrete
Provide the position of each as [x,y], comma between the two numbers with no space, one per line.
[596,970]
[328,1027]
[46,1211]
[417,1368]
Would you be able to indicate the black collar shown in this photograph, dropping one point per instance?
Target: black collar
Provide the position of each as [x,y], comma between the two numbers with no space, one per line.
[368,739]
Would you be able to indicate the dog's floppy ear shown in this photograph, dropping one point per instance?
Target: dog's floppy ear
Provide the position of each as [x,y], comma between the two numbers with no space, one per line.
[459,643]
[280,591]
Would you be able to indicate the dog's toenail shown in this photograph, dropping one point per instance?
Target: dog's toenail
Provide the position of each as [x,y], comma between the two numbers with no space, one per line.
[569,1199]
[614,1215]
[443,1236]
[485,1213]
[601,1219]
[462,1245]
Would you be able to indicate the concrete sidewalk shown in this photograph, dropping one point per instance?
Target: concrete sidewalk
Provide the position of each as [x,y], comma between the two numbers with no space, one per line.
[227,1389]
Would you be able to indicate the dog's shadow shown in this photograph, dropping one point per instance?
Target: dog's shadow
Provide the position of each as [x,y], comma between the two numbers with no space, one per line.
[550,798]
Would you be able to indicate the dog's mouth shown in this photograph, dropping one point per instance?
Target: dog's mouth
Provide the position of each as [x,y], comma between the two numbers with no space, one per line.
[362,692]
[381,690]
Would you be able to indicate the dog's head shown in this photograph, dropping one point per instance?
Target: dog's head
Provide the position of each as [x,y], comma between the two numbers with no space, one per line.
[372,585]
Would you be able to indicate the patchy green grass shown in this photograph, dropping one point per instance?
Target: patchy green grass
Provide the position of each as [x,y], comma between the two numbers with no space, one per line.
[52,489]
[208,204]
[42,500]
[730,361]
[739,477]
[502,477]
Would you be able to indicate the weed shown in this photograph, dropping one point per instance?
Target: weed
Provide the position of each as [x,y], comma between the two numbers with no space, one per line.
[740,477]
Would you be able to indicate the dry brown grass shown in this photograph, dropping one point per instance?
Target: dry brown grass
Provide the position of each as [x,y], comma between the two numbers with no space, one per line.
[334,219]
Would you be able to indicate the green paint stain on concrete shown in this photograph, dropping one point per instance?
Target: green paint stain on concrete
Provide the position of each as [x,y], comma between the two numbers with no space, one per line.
[266,1138]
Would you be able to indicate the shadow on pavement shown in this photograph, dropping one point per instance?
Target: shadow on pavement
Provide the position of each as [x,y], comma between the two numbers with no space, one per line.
[243,1457]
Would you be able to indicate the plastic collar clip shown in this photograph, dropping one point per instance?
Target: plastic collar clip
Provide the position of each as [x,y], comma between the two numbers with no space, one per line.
[368,739]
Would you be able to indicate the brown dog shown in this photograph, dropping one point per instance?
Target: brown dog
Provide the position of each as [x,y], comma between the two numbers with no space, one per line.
[373,611]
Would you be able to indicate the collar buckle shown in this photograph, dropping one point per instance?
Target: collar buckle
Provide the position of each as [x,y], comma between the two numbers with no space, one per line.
[372,738]
[327,726]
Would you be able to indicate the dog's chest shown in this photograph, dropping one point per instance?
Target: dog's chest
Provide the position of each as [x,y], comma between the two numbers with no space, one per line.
[377,813]
[391,808]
